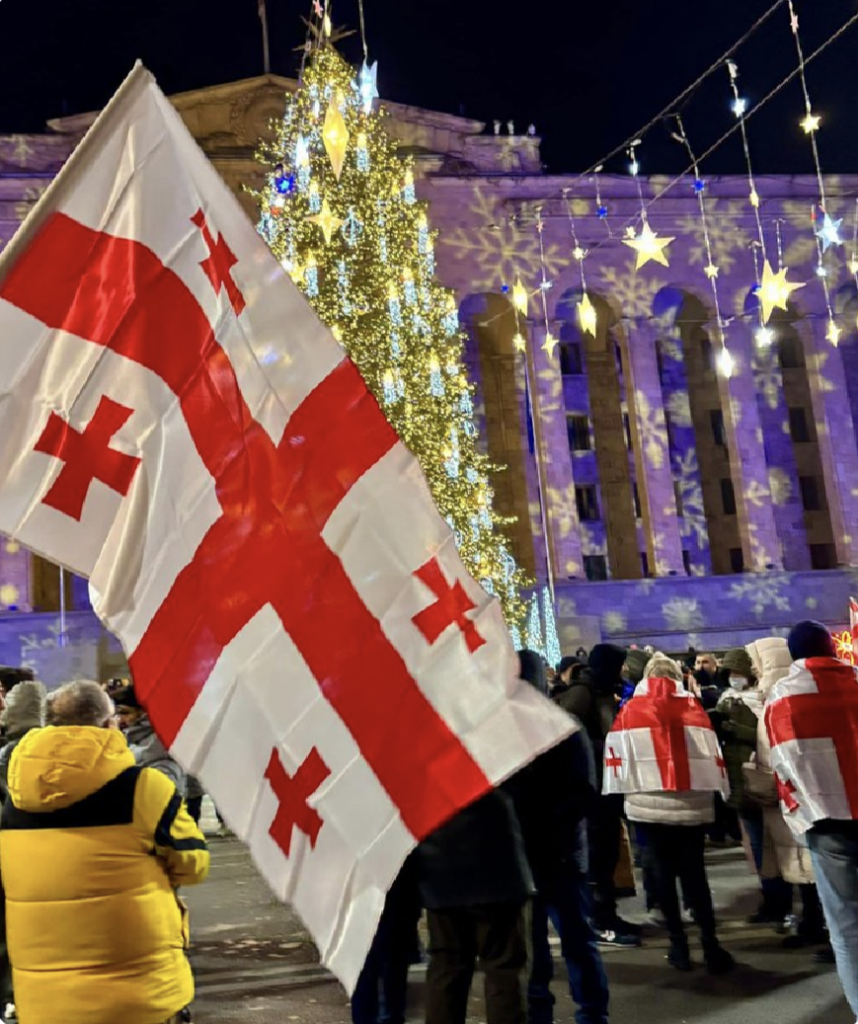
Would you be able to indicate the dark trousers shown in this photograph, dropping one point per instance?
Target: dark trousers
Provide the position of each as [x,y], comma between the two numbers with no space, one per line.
[777,894]
[458,937]
[604,832]
[380,993]
[568,907]
[6,995]
[675,853]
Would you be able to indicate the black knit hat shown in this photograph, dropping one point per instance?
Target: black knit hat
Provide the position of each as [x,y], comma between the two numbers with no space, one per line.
[636,662]
[125,697]
[811,639]
[10,677]
[566,663]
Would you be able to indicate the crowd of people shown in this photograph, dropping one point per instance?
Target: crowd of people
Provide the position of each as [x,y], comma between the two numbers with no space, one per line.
[545,846]
[98,793]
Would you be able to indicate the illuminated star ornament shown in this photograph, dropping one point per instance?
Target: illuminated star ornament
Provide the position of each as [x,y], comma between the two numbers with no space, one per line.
[711,271]
[829,232]
[518,342]
[648,246]
[335,135]
[775,290]
[327,221]
[368,85]
[811,123]
[833,333]
[587,316]
[550,344]
[519,297]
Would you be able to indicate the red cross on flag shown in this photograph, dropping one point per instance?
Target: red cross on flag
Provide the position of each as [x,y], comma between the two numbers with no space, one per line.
[811,719]
[178,426]
[663,742]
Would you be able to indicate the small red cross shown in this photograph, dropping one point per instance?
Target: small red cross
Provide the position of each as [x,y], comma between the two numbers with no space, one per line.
[721,764]
[786,791]
[450,608]
[87,457]
[614,762]
[219,263]
[292,793]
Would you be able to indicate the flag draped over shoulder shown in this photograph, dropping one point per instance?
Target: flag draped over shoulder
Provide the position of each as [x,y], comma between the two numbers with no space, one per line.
[663,742]
[811,719]
[177,425]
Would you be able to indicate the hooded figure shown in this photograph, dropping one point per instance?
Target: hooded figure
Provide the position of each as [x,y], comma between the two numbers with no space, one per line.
[553,797]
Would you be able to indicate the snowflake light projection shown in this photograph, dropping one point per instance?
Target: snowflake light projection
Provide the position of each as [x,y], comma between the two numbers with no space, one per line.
[728,240]
[762,593]
[494,249]
[683,614]
[630,292]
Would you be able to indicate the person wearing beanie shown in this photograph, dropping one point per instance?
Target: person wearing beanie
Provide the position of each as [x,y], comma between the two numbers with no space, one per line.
[591,698]
[671,821]
[148,750]
[811,721]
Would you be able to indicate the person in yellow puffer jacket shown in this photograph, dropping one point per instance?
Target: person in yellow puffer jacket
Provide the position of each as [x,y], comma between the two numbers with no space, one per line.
[92,849]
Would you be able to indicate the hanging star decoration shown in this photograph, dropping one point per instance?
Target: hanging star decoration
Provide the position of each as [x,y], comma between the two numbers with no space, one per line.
[833,333]
[775,290]
[317,8]
[853,265]
[518,342]
[711,271]
[550,344]
[519,297]
[368,85]
[793,23]
[754,199]
[811,123]
[327,221]
[829,232]
[648,246]
[579,253]
[335,135]
[587,316]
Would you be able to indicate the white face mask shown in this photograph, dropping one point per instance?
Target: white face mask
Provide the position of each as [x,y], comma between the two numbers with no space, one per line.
[739,682]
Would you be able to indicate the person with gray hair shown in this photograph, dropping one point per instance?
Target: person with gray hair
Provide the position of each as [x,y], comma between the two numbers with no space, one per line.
[105,938]
[25,710]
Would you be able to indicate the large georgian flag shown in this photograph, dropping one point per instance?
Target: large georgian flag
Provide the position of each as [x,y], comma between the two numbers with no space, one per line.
[177,425]
[811,719]
[663,742]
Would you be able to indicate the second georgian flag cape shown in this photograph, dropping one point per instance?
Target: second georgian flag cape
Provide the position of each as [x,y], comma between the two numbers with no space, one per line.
[663,742]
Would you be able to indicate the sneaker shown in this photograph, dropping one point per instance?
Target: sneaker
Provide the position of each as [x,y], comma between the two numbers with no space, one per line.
[9,1012]
[764,916]
[626,927]
[687,916]
[656,918]
[223,832]
[185,1016]
[610,939]
[679,957]
[718,960]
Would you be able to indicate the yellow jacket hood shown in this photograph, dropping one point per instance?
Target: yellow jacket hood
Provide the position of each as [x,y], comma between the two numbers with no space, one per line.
[58,766]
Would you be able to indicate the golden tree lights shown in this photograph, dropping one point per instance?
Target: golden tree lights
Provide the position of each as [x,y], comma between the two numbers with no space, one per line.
[365,258]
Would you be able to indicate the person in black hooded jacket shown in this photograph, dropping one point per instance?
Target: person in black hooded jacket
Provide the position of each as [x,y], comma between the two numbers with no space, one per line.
[592,699]
[553,797]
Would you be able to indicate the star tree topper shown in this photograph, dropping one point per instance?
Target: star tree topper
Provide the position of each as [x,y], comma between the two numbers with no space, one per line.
[648,246]
[775,290]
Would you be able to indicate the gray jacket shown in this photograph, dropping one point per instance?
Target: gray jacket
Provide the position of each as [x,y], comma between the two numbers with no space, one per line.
[690,807]
[149,752]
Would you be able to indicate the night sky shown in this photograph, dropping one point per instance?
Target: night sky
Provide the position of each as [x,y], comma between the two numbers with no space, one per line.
[588,74]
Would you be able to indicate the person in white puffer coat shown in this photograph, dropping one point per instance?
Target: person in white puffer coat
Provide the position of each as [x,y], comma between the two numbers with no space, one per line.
[671,828]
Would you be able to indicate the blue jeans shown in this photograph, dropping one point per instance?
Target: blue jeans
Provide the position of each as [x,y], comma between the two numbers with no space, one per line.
[777,893]
[568,908]
[835,863]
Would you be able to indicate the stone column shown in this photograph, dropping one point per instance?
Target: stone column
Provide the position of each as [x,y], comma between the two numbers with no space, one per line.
[838,452]
[761,545]
[652,451]
[552,450]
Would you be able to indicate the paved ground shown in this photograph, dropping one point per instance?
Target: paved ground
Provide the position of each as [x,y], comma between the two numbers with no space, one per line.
[254,963]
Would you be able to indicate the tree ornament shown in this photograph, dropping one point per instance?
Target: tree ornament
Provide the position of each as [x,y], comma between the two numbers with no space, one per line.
[368,85]
[335,134]
[327,221]
[648,246]
[775,290]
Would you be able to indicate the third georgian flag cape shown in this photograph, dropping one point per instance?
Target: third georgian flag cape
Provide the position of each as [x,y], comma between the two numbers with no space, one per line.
[177,425]
[663,742]
[811,719]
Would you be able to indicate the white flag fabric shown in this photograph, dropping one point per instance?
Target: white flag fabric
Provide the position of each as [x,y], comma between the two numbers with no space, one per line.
[177,425]
[811,718]
[662,741]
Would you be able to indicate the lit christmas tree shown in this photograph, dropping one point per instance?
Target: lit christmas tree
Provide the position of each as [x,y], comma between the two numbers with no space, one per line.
[340,213]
